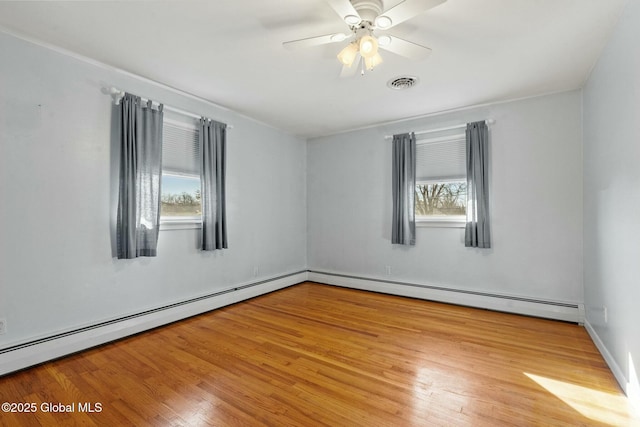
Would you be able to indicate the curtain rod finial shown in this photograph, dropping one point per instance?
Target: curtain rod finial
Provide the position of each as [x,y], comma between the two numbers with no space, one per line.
[116,94]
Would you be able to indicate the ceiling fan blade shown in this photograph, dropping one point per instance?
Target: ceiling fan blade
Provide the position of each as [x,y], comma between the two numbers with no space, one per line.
[343,8]
[315,41]
[407,10]
[406,48]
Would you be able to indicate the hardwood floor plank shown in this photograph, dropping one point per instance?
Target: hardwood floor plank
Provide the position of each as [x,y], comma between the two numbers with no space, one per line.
[317,355]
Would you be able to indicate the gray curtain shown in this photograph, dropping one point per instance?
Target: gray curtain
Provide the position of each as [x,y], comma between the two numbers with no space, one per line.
[477,232]
[140,171]
[403,230]
[212,175]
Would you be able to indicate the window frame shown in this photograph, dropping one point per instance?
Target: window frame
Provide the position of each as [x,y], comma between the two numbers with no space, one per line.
[441,221]
[184,222]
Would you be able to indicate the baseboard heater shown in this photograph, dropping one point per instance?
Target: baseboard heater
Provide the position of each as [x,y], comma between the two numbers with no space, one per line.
[53,346]
[557,310]
[33,352]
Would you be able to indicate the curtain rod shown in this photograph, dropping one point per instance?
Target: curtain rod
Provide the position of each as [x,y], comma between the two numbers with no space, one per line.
[422,132]
[118,94]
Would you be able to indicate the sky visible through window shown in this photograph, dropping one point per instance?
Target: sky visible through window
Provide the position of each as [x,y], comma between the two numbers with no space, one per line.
[174,184]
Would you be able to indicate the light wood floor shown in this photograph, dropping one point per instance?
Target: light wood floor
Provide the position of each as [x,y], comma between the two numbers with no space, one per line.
[314,355]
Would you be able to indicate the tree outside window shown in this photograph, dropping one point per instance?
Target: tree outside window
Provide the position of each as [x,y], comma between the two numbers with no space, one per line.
[438,199]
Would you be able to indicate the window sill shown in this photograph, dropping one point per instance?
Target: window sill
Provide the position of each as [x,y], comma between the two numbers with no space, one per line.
[180,224]
[441,222]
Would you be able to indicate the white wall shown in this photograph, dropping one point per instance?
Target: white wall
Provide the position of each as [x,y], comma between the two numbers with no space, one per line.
[57,190]
[56,187]
[536,184]
[612,200]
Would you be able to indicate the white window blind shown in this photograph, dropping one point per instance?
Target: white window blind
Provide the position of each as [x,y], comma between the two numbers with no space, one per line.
[441,159]
[180,150]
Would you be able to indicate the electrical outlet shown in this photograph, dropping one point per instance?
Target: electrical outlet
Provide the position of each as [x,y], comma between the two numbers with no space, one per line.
[256,270]
[3,326]
[387,268]
[606,314]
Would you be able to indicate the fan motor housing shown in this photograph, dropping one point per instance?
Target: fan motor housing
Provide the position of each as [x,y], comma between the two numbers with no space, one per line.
[367,9]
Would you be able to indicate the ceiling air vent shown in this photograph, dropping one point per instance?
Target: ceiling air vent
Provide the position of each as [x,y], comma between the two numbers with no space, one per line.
[404,82]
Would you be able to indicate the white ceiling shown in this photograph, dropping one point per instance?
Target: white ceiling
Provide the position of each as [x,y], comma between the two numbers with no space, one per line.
[230,52]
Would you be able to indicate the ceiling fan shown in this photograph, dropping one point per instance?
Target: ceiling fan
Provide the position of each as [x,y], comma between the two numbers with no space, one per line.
[364,18]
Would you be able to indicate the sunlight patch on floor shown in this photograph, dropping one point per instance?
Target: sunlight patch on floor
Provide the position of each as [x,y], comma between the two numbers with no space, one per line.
[596,405]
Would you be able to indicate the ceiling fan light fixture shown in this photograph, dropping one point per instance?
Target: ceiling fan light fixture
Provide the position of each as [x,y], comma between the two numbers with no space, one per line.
[338,37]
[348,54]
[373,61]
[368,46]
[383,22]
[352,19]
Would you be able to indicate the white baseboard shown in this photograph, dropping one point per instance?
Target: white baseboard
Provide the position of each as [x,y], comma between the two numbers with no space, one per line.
[566,311]
[41,350]
[618,373]
[31,353]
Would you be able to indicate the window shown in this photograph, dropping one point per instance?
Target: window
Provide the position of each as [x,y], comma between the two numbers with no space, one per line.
[441,181]
[180,196]
[180,201]
[441,199]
